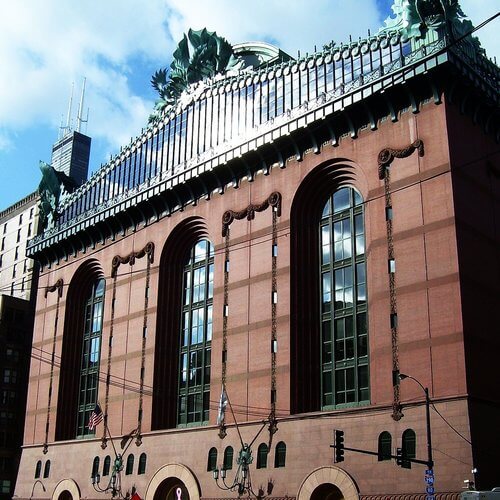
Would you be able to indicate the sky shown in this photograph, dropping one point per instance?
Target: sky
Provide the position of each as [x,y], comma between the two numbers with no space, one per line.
[48,46]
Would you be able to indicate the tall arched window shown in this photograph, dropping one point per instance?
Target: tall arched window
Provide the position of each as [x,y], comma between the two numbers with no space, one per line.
[409,444]
[212,460]
[344,353]
[280,455]
[262,453]
[384,446]
[46,469]
[196,336]
[91,355]
[228,458]
[129,469]
[95,467]
[81,349]
[106,465]
[38,469]
[142,464]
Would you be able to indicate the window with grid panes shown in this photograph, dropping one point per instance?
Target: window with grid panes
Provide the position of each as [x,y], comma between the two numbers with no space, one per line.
[91,355]
[344,341]
[196,336]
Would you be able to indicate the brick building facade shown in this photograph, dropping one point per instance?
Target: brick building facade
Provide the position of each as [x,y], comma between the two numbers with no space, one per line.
[295,235]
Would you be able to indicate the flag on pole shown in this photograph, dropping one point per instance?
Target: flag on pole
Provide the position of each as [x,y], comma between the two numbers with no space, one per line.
[222,407]
[95,417]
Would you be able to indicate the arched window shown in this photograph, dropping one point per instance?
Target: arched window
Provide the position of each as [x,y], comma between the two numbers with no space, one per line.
[130,465]
[409,444]
[344,339]
[142,464]
[212,460]
[106,465]
[38,469]
[228,458]
[81,350]
[91,355]
[95,467]
[384,446]
[46,469]
[262,453]
[280,455]
[196,335]
[328,292]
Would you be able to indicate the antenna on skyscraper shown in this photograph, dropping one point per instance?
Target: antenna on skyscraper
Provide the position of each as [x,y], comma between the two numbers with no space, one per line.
[79,119]
[67,128]
[87,121]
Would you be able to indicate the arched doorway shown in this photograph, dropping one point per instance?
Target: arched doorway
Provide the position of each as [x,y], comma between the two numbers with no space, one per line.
[167,480]
[328,483]
[66,489]
[327,491]
[171,489]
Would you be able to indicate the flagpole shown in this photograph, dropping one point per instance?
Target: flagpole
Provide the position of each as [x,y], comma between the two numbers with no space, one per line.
[234,418]
[109,433]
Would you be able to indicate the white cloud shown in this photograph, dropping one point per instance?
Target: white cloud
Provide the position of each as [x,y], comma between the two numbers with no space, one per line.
[479,12]
[5,141]
[44,46]
[293,25]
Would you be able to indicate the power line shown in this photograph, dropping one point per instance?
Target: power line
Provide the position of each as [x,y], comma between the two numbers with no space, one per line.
[121,382]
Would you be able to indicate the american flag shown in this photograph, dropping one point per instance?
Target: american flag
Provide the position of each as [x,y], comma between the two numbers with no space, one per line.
[95,417]
[221,414]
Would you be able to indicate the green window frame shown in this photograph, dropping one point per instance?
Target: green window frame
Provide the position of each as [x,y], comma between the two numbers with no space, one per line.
[95,467]
[196,336]
[280,455]
[46,469]
[212,460]
[228,458]
[38,469]
[106,465]
[5,485]
[344,325]
[141,468]
[129,469]
[91,356]
[384,446]
[409,444]
[262,453]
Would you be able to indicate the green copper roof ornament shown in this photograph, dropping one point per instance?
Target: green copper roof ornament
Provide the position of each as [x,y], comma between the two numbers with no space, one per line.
[53,187]
[199,55]
[415,17]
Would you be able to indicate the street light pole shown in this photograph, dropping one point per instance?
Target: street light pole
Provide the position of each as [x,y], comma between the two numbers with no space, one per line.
[428,420]
[430,462]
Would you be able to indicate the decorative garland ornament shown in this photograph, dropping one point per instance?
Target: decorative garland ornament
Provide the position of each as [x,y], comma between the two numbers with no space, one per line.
[274,201]
[58,286]
[130,259]
[385,158]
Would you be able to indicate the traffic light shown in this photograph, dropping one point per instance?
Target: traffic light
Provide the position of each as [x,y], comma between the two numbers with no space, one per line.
[339,446]
[401,459]
[399,456]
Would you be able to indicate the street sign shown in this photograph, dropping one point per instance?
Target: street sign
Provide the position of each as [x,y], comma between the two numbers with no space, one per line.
[429,484]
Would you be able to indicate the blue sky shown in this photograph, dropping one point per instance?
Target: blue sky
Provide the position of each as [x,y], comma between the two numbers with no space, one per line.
[118,44]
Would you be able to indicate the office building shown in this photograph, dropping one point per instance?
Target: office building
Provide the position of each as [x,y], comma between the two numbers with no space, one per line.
[266,264]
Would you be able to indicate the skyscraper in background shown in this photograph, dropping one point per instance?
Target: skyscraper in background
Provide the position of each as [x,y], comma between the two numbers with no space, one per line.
[70,155]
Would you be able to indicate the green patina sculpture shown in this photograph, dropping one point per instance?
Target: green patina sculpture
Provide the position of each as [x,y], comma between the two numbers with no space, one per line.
[199,55]
[53,186]
[415,17]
